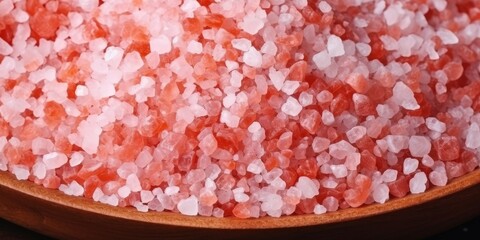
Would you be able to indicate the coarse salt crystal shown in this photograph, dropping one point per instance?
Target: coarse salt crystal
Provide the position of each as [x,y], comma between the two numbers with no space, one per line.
[419,146]
[242,44]
[292,107]
[133,183]
[307,186]
[54,160]
[447,36]
[404,96]
[188,206]
[322,60]
[324,7]
[194,47]
[253,58]
[319,209]
[418,183]
[410,165]
[335,46]
[435,125]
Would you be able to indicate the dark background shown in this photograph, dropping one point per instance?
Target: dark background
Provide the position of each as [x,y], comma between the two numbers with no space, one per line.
[468,230]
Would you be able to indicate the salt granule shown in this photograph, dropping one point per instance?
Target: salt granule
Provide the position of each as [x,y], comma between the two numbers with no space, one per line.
[335,46]
[307,186]
[188,206]
[418,183]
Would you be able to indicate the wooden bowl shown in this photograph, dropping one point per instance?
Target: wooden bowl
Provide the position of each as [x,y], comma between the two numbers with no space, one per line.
[54,214]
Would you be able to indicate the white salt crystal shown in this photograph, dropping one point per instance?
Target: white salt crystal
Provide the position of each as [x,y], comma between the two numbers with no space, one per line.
[97,194]
[396,143]
[319,209]
[447,36]
[188,206]
[435,125]
[97,45]
[473,136]
[143,158]
[324,7]
[251,23]
[392,14]
[229,119]
[256,166]
[405,45]
[307,186]
[273,202]
[88,5]
[339,171]
[352,161]
[133,183]
[112,200]
[335,46]
[153,59]
[194,47]
[327,118]
[81,91]
[253,58]
[418,183]
[254,127]
[236,79]
[320,144]
[20,16]
[389,43]
[20,172]
[322,60]
[39,170]
[289,87]
[428,161]
[76,189]
[277,78]
[356,133]
[190,6]
[305,99]
[440,5]
[171,190]
[269,47]
[5,48]
[146,196]
[291,107]
[113,56]
[41,146]
[381,193]
[341,149]
[6,6]
[242,44]
[54,160]
[132,62]
[75,19]
[90,133]
[389,175]
[75,159]
[403,95]
[438,178]
[419,146]
[363,48]
[410,165]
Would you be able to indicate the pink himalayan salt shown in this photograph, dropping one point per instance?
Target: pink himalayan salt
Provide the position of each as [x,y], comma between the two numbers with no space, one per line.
[276,92]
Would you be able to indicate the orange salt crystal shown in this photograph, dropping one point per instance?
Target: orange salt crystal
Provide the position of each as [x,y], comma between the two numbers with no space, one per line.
[447,148]
[214,20]
[310,120]
[308,168]
[45,23]
[358,82]
[93,29]
[453,70]
[357,196]
[290,177]
[4,128]
[54,114]
[297,71]
[400,187]
[131,147]
[51,181]
[241,210]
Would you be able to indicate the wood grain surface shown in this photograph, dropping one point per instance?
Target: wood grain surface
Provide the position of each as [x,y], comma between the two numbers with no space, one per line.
[54,214]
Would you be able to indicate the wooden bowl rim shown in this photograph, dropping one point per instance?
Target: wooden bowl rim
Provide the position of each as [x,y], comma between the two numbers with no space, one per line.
[175,219]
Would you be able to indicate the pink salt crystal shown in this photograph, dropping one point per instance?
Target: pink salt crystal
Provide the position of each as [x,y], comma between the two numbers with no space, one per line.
[132,62]
[305,99]
[91,136]
[438,178]
[292,107]
[418,183]
[381,193]
[54,160]
[320,144]
[113,56]
[289,87]
[427,161]
[356,133]
[339,171]
[307,186]
[341,149]
[251,23]
[253,58]
[133,183]
[273,202]
[6,7]
[330,203]
[335,46]
[322,60]
[126,169]
[396,143]
[143,159]
[269,47]
[5,48]
[419,146]
[41,146]
[39,170]
[328,118]
[76,189]
[324,96]
[435,125]
[352,161]
[324,7]
[410,165]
